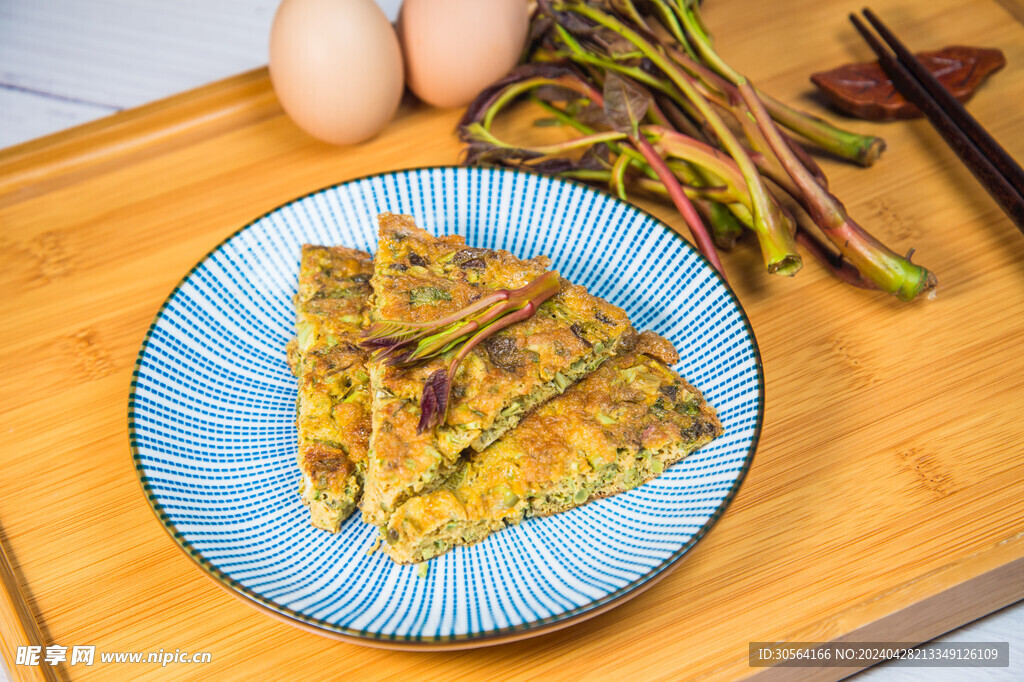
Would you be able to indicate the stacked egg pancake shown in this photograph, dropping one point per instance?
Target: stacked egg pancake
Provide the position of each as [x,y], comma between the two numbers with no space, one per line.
[566,406]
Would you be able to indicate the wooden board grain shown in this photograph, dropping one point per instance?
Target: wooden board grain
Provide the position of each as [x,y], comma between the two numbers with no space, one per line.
[885,498]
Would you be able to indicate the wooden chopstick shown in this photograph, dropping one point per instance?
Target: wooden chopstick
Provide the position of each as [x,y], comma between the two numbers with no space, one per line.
[967,123]
[985,159]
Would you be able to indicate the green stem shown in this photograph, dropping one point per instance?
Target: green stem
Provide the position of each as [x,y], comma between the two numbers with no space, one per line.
[891,272]
[618,176]
[864,149]
[725,227]
[833,262]
[696,186]
[776,240]
[675,191]
[699,182]
[478,132]
[522,305]
[871,258]
[696,152]
[679,120]
[516,89]
[778,245]
[408,343]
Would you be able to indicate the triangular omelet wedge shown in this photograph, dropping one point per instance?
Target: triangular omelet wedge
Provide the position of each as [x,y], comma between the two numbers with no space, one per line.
[619,427]
[333,412]
[419,278]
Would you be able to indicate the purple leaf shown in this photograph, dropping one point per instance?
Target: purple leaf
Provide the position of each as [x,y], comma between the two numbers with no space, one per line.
[556,93]
[383,342]
[592,116]
[478,108]
[539,27]
[613,44]
[483,152]
[434,402]
[625,103]
[396,357]
[573,23]
[554,166]
[597,157]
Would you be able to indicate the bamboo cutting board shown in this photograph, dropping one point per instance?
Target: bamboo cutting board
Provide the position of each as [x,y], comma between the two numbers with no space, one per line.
[885,501]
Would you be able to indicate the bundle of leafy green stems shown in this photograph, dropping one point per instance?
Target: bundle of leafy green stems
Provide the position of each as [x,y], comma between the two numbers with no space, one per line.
[655,109]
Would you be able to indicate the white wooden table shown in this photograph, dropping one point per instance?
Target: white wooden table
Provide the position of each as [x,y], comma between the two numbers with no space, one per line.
[65,62]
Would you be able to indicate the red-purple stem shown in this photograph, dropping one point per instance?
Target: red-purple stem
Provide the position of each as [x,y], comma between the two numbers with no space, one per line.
[682,203]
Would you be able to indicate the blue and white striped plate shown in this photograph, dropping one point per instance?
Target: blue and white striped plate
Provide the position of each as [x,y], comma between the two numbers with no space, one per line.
[212,409]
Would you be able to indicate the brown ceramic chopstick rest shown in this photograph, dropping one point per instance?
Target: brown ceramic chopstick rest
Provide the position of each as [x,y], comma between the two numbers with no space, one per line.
[865,91]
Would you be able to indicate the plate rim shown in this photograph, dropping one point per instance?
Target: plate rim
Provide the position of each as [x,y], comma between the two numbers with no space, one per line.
[449,642]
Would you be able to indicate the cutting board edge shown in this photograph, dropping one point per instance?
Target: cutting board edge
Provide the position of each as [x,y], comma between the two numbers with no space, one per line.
[917,611]
[59,159]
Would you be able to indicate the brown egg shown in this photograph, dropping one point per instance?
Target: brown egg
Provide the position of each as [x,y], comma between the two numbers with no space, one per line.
[455,48]
[336,67]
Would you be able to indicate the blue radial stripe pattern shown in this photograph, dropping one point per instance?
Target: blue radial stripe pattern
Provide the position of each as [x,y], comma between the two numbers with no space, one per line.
[212,407]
